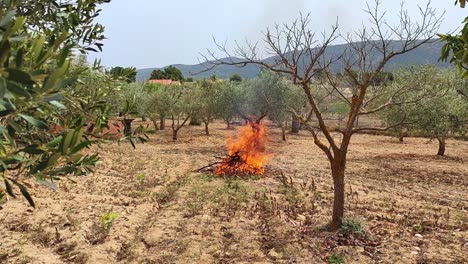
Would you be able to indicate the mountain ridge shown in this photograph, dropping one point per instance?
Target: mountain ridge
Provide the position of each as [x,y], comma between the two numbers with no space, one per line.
[425,54]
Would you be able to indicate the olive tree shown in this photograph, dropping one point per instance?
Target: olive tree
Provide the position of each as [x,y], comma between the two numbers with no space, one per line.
[173,101]
[411,85]
[35,70]
[273,96]
[301,54]
[441,113]
[207,102]
[230,99]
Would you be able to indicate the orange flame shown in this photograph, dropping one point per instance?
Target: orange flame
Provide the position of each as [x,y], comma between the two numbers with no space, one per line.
[247,154]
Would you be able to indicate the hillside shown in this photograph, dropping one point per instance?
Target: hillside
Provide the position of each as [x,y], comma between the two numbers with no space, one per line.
[426,54]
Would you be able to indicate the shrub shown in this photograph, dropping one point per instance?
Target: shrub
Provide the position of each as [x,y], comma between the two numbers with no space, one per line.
[352,226]
[107,219]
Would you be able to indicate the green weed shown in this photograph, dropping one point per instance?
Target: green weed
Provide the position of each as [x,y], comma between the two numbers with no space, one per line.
[107,219]
[352,226]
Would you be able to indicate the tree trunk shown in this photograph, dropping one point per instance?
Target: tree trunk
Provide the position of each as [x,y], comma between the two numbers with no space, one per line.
[207,131]
[228,124]
[296,125]
[127,127]
[338,170]
[441,151]
[283,133]
[155,124]
[174,129]
[162,123]
[401,135]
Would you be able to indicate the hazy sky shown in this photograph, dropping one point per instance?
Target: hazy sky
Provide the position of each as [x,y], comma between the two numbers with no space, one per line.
[150,33]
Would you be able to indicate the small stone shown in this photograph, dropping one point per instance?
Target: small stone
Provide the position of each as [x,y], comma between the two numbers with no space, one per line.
[414,253]
[301,218]
[274,254]
[418,236]
[416,249]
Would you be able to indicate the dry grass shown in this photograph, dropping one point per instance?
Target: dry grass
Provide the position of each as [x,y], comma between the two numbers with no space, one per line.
[395,193]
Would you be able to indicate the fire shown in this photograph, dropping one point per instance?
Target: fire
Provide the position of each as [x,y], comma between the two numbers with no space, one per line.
[247,154]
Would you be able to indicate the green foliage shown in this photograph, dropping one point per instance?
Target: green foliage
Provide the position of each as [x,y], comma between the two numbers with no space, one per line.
[107,219]
[235,78]
[35,72]
[141,177]
[352,226]
[294,197]
[196,199]
[272,95]
[131,98]
[380,79]
[158,75]
[177,99]
[207,100]
[170,72]
[231,197]
[96,93]
[169,192]
[173,101]
[231,97]
[50,18]
[126,74]
[455,48]
[436,108]
[335,259]
[340,107]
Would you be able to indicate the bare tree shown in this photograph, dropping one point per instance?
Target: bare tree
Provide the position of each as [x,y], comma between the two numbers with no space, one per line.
[301,54]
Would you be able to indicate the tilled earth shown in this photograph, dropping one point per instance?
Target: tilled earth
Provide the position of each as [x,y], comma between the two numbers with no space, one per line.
[403,205]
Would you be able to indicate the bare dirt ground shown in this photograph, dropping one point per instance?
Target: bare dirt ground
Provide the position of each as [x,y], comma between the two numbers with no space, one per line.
[412,204]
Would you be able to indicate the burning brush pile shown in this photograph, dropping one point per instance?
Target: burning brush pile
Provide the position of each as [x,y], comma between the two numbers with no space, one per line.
[246,153]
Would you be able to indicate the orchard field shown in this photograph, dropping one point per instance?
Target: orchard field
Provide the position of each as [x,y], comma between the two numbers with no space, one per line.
[308,142]
[403,204]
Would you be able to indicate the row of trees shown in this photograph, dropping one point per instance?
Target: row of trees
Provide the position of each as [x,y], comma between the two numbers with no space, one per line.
[421,101]
[425,101]
[173,73]
[205,100]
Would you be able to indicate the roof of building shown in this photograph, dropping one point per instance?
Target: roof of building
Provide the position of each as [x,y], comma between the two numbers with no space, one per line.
[164,81]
